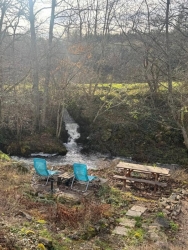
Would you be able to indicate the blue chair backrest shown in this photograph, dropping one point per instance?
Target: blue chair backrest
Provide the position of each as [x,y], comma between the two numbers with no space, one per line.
[40,166]
[80,171]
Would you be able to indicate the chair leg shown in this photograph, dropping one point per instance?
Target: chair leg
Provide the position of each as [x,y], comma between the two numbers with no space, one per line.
[78,189]
[47,180]
[72,182]
[35,176]
[86,187]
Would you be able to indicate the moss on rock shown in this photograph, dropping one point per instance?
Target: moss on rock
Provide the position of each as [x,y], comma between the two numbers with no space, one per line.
[44,142]
[4,157]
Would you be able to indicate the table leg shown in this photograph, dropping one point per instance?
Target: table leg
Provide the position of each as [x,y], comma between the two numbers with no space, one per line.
[128,173]
[124,181]
[52,186]
[59,181]
[124,184]
[156,179]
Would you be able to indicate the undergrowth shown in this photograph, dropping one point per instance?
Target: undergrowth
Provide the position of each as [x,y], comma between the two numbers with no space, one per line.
[93,216]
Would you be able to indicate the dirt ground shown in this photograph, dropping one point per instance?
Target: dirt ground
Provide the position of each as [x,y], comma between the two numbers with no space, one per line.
[182,236]
[22,204]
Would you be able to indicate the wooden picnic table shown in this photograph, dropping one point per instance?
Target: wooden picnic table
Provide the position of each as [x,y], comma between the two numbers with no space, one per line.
[155,172]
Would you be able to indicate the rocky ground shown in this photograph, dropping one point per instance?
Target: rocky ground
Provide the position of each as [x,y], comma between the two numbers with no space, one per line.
[182,235]
[103,218]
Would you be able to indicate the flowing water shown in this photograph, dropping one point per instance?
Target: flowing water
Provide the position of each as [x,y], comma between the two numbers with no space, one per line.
[73,154]
[74,151]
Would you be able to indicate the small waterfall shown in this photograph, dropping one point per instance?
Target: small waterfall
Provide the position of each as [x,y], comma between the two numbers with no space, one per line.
[73,154]
[72,129]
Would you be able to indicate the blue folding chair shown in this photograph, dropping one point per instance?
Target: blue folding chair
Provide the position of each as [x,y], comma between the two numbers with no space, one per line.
[41,169]
[80,174]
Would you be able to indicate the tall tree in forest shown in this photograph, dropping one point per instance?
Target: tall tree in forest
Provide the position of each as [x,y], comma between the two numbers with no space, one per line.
[9,20]
[34,65]
[168,50]
[48,62]
[3,8]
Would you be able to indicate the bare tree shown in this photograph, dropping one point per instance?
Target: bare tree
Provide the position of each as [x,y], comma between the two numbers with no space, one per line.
[9,21]
[48,63]
[34,64]
[169,68]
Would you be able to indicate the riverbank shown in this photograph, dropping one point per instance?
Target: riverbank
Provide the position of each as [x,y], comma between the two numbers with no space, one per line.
[43,142]
[134,129]
[138,127]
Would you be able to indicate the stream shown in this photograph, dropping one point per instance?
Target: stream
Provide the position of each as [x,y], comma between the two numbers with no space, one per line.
[74,154]
[74,150]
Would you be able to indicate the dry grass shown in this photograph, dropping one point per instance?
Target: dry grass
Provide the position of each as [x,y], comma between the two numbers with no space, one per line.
[157,247]
[180,175]
[87,212]
[12,184]
[16,187]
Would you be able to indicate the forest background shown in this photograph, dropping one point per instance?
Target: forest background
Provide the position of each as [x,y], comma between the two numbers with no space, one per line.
[118,66]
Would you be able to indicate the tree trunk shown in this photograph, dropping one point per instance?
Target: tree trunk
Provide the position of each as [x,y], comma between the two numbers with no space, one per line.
[60,113]
[105,18]
[1,86]
[2,15]
[48,65]
[169,69]
[35,66]
[185,136]
[80,20]
[96,18]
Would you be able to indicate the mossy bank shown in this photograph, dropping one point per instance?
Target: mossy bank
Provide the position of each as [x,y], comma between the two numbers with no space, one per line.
[133,129]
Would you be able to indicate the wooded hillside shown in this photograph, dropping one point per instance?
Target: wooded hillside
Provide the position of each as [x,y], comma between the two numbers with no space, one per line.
[49,50]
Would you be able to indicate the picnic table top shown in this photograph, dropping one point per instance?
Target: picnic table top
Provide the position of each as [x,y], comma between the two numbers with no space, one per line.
[143,168]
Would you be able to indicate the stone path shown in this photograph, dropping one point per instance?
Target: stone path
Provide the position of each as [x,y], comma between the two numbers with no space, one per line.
[126,223]
[136,211]
[155,230]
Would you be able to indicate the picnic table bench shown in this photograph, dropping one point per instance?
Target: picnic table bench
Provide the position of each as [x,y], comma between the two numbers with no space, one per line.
[154,172]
